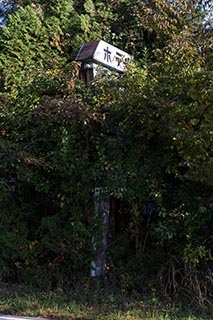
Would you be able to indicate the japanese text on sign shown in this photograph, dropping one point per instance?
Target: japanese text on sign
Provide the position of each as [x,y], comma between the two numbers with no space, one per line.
[111,56]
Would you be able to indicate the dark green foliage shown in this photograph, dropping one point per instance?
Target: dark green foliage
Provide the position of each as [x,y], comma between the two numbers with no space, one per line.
[43,192]
[145,135]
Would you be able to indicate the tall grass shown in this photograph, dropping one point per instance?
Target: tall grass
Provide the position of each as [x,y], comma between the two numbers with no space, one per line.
[88,303]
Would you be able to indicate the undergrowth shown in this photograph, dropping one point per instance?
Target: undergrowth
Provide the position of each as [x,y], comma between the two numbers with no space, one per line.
[93,301]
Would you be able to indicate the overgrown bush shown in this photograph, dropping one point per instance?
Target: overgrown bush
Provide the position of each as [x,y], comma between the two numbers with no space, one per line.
[145,136]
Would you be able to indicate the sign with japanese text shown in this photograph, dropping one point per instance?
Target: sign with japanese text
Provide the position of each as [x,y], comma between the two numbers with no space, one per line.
[101,52]
[111,56]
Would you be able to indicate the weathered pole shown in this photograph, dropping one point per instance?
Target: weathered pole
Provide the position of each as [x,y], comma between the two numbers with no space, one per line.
[94,55]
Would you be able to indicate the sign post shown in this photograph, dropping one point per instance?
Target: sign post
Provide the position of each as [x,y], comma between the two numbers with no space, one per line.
[93,55]
[100,238]
[100,53]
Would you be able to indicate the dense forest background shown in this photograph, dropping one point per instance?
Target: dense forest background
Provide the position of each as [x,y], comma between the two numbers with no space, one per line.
[145,135]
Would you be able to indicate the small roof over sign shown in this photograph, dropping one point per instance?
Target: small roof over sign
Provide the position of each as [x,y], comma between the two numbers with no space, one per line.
[102,52]
[87,50]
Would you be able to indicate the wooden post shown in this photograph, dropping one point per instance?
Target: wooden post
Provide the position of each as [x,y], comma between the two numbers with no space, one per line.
[100,239]
[94,54]
[87,72]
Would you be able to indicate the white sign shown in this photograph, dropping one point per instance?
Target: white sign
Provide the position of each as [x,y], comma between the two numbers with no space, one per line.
[111,56]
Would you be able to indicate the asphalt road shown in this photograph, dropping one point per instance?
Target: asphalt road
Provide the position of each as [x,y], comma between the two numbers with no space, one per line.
[9,317]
